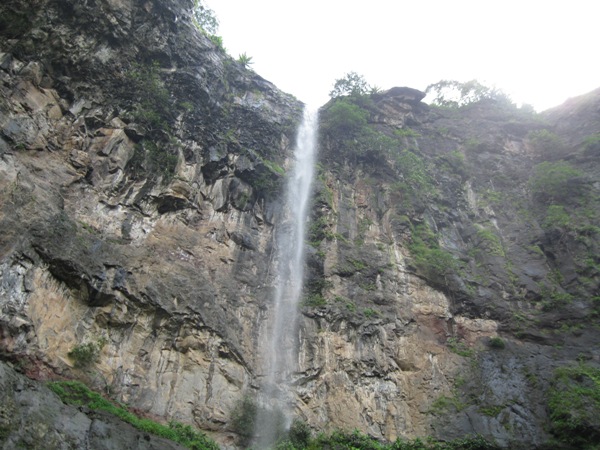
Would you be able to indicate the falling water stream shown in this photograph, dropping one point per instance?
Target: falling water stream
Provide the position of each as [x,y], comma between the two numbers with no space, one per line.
[280,355]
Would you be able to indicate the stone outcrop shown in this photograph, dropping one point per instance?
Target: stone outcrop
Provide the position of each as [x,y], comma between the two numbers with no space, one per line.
[33,417]
[140,190]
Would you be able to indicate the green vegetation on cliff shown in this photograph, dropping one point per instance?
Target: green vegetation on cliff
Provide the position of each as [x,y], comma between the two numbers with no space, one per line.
[431,260]
[78,394]
[299,438]
[574,402]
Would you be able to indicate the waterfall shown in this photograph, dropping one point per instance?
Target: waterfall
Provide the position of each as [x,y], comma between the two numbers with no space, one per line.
[280,355]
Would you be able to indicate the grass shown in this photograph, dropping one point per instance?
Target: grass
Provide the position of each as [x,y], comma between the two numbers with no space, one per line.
[78,394]
[459,347]
[370,312]
[314,301]
[491,411]
[490,242]
[444,403]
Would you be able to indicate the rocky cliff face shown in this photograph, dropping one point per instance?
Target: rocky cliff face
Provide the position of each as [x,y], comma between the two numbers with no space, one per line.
[140,180]
[453,253]
[456,265]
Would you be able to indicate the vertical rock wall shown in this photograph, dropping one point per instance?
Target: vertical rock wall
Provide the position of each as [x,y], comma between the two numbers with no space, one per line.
[140,179]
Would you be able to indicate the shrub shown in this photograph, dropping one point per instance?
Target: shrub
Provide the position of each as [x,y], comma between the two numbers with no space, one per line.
[343,120]
[455,161]
[266,183]
[553,298]
[557,182]
[556,217]
[546,143]
[84,355]
[406,132]
[247,413]
[373,146]
[434,262]
[574,403]
[245,60]
[356,440]
[242,419]
[319,230]
[592,144]
[497,342]
[416,182]
[370,312]
[444,403]
[153,108]
[314,301]
[299,434]
[342,440]
[218,41]
[157,159]
[490,242]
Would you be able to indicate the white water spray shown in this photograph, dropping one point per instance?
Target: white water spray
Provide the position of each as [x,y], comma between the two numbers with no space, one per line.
[280,356]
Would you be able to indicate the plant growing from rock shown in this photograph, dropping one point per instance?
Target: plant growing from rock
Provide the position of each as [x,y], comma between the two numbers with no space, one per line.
[491,242]
[299,434]
[416,182]
[314,301]
[153,107]
[343,120]
[574,403]
[86,354]
[267,179]
[158,159]
[557,183]
[444,403]
[557,217]
[245,60]
[546,143]
[459,347]
[553,297]
[430,259]
[370,312]
[243,417]
[496,342]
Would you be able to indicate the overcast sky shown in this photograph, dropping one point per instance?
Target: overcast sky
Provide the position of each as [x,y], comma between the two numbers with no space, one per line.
[538,52]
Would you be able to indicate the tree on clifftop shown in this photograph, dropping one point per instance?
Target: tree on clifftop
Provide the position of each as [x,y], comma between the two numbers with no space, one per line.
[205,18]
[351,84]
[452,94]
